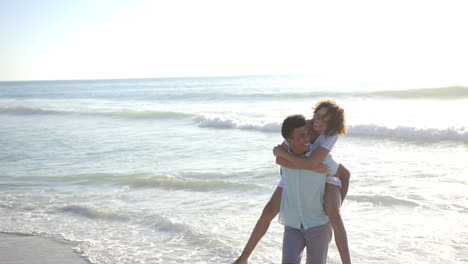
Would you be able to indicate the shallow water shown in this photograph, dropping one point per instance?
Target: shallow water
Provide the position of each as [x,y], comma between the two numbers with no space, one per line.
[178,170]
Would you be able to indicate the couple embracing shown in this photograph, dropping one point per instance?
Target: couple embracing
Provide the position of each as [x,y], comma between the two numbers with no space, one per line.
[311,190]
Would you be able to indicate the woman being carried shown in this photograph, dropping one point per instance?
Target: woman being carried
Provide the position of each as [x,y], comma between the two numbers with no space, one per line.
[326,125]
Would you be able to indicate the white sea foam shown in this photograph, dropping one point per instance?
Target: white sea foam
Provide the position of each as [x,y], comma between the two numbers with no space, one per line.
[237,123]
[93,213]
[450,133]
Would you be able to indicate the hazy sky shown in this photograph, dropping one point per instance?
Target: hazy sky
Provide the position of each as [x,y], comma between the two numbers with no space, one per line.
[403,41]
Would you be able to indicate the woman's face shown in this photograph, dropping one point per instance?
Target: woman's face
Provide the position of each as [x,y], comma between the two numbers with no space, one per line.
[320,120]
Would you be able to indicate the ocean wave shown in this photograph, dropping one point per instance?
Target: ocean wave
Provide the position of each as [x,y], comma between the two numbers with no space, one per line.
[193,181]
[81,179]
[18,233]
[452,92]
[136,114]
[428,134]
[150,114]
[93,213]
[152,221]
[258,95]
[386,200]
[24,110]
[452,133]
[223,122]
[173,183]
[200,237]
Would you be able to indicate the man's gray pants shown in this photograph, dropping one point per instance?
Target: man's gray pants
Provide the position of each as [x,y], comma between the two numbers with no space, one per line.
[315,239]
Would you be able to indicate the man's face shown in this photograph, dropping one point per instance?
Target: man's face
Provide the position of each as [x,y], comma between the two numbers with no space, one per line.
[298,141]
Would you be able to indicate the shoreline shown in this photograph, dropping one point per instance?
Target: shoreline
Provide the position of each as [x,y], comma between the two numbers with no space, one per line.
[16,248]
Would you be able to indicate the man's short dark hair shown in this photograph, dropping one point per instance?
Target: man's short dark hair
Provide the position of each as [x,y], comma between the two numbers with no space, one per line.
[290,123]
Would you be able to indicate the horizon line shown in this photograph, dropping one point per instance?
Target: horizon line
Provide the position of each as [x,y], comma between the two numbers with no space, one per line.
[168,77]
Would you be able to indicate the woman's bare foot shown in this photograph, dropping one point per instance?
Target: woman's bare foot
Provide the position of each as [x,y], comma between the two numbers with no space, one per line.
[240,261]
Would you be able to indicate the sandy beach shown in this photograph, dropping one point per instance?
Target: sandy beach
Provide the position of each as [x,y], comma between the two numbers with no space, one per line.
[25,249]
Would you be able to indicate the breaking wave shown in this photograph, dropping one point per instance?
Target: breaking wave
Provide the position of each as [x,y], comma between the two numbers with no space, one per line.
[221,122]
[451,133]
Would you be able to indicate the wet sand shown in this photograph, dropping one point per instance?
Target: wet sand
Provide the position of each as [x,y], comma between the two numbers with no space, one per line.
[27,249]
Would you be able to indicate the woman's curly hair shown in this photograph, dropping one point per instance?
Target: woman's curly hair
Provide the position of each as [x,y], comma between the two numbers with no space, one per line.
[336,122]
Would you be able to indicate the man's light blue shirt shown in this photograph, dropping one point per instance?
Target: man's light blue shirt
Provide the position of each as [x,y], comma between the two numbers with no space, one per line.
[302,197]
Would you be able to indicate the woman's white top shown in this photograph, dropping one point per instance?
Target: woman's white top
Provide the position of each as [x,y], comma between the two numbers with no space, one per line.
[323,140]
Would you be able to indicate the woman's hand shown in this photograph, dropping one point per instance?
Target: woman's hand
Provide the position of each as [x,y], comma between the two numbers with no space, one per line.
[278,150]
